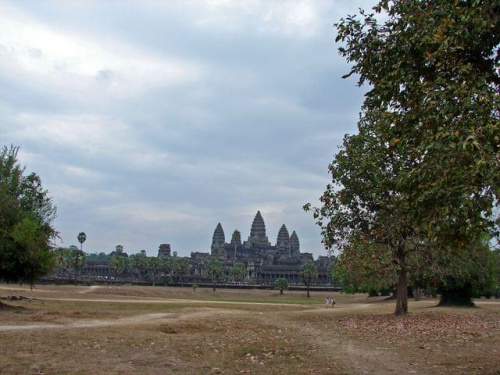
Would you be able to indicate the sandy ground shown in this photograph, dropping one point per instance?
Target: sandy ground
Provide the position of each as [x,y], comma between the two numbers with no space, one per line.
[206,333]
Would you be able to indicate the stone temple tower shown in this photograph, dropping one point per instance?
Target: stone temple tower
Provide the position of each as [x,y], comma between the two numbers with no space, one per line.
[258,232]
[164,250]
[218,240]
[283,242]
[236,238]
[294,244]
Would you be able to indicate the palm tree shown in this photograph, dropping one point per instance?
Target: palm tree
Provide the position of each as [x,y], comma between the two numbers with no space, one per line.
[82,237]
[77,261]
[181,268]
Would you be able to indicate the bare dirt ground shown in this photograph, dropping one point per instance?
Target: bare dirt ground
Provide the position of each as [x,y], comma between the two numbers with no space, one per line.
[157,330]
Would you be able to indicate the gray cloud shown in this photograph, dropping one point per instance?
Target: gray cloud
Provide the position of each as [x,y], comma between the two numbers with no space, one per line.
[150,122]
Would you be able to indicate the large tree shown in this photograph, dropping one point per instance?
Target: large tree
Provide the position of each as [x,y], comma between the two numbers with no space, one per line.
[420,179]
[26,222]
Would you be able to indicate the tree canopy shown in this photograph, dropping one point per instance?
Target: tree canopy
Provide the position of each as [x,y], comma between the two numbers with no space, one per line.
[26,222]
[419,182]
[281,284]
[82,237]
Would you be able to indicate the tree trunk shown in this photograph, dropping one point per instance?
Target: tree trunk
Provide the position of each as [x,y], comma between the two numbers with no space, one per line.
[402,292]
[308,292]
[281,290]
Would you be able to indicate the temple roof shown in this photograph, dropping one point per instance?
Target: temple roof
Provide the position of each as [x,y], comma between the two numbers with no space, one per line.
[283,239]
[218,238]
[258,226]
[258,231]
[294,244]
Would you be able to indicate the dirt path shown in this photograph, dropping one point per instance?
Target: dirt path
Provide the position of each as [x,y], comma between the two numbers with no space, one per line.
[330,344]
[90,289]
[142,319]
[167,300]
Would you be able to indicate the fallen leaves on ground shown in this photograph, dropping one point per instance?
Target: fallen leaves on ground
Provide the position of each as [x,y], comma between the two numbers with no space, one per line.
[453,328]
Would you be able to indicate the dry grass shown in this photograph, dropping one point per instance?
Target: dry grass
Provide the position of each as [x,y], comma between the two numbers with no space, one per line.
[145,330]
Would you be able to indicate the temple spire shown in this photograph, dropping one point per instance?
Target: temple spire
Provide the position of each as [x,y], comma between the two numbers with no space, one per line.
[283,241]
[294,244]
[218,239]
[258,232]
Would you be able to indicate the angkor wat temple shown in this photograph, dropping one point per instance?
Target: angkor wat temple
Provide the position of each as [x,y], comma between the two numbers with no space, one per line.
[263,261]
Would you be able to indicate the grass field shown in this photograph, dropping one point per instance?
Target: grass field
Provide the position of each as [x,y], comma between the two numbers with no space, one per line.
[158,330]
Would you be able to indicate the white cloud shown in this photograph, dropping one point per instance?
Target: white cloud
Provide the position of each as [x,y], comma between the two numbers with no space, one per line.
[78,65]
[139,213]
[93,133]
[295,18]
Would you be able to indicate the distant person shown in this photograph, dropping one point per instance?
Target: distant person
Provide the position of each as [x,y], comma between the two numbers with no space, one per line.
[328,302]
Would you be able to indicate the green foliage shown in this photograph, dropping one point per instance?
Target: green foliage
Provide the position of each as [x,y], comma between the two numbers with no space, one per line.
[478,276]
[496,255]
[365,267]
[82,237]
[138,264]
[236,237]
[434,103]
[118,252]
[308,274]
[77,260]
[194,286]
[62,257]
[180,266]
[118,264]
[154,267]
[215,271]
[70,260]
[26,231]
[281,284]
[420,180]
[238,272]
[97,257]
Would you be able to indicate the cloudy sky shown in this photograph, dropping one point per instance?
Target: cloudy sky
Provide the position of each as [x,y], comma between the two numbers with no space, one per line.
[151,121]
